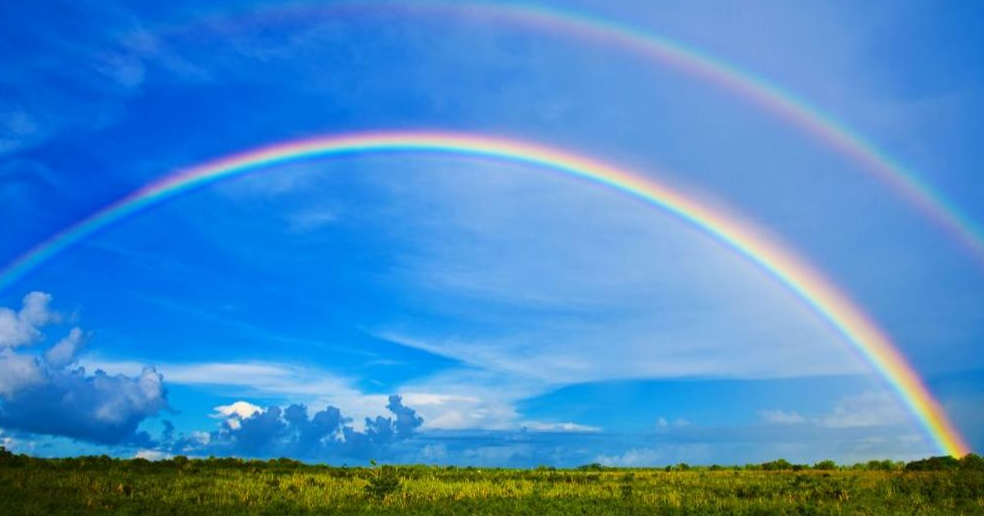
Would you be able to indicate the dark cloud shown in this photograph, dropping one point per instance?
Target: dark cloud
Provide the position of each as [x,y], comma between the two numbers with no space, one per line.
[290,432]
[98,408]
[48,394]
[168,433]
[407,419]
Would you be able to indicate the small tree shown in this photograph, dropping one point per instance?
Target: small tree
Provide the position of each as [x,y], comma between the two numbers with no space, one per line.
[972,462]
[776,465]
[383,482]
[594,466]
[944,463]
[6,458]
[825,465]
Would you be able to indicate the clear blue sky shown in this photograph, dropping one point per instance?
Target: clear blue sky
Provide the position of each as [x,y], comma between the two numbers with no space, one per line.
[522,317]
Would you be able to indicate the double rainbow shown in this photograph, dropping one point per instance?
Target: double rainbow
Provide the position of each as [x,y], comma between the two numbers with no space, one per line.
[742,83]
[795,274]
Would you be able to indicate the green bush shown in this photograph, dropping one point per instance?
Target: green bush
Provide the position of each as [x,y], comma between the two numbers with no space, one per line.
[825,465]
[383,481]
[945,463]
[234,487]
[972,462]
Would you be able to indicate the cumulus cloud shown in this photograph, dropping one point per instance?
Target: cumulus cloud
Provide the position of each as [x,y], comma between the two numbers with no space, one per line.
[274,431]
[48,394]
[98,408]
[63,353]
[406,420]
[17,372]
[269,380]
[237,411]
[24,326]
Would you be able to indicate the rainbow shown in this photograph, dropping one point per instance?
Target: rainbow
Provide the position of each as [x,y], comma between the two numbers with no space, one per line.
[742,83]
[795,274]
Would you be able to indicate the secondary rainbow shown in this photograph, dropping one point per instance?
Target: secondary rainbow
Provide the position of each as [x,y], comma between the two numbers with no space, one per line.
[742,83]
[774,259]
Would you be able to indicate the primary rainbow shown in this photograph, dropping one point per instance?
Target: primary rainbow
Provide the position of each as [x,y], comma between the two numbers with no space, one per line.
[742,83]
[799,277]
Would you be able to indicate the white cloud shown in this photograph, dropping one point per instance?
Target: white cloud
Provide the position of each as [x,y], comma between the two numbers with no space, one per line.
[17,127]
[582,284]
[780,417]
[567,427]
[125,69]
[311,219]
[200,437]
[24,326]
[456,411]
[869,408]
[505,234]
[633,458]
[434,453]
[295,384]
[63,353]
[151,455]
[18,372]
[563,283]
[239,409]
[662,424]
[480,400]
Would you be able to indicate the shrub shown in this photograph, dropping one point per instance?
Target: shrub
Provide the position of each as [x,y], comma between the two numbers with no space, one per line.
[972,462]
[383,481]
[7,458]
[594,466]
[777,465]
[825,465]
[945,463]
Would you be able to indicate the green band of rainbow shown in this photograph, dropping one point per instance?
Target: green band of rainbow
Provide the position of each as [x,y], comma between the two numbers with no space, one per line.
[801,279]
[742,83]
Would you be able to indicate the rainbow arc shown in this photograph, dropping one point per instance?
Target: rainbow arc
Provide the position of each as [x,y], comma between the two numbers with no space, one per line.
[744,84]
[804,281]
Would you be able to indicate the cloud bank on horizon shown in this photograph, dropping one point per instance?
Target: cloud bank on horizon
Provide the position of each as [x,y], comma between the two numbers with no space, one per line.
[48,397]
[518,318]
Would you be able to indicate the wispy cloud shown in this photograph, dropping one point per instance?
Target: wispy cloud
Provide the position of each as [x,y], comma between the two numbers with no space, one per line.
[311,219]
[581,284]
[870,408]
[781,417]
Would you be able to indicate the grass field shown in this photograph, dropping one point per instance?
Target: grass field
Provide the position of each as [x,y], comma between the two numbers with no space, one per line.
[96,485]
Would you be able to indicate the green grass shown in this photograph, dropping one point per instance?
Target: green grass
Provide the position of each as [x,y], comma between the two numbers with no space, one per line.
[102,486]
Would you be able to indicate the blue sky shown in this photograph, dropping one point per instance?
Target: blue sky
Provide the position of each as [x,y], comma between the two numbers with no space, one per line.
[522,317]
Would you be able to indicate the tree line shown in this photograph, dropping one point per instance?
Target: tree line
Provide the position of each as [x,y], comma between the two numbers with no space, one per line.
[969,462]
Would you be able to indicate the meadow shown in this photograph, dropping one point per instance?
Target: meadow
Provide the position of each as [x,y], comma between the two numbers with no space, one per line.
[100,485]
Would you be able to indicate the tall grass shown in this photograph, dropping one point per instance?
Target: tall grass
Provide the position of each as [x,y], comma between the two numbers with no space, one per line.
[237,488]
